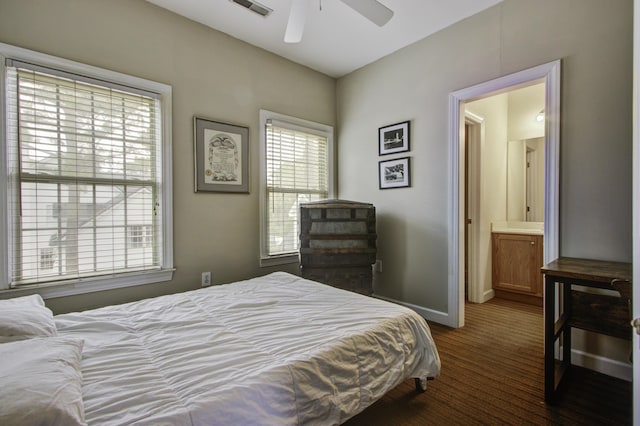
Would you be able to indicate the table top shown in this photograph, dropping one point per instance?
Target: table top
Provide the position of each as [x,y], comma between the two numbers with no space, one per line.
[588,269]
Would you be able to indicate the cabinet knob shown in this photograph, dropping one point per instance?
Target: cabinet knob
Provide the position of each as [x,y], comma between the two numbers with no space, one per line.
[533,243]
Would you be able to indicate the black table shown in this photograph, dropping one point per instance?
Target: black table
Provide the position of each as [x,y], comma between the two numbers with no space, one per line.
[606,314]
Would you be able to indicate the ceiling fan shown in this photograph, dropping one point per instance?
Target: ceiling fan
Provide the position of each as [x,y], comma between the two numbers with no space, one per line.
[373,10]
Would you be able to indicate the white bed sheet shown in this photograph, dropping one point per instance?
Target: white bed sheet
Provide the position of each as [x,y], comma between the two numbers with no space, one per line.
[274,350]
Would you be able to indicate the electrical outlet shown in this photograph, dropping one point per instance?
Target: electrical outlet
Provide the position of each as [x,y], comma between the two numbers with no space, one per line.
[379,265]
[206,279]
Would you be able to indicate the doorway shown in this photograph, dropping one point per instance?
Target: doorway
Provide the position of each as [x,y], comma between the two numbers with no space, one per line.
[549,74]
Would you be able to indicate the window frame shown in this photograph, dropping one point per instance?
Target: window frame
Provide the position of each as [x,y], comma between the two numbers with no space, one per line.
[97,283]
[297,124]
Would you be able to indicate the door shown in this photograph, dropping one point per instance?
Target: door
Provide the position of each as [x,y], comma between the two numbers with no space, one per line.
[531,190]
[550,74]
[636,208]
[636,293]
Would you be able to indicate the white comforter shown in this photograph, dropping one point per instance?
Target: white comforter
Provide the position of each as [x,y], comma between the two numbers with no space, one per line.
[274,350]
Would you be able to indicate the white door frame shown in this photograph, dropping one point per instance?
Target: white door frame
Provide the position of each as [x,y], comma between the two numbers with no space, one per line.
[549,74]
[636,207]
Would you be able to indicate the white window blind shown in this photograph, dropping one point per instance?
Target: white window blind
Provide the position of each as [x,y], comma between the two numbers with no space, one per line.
[84,177]
[297,171]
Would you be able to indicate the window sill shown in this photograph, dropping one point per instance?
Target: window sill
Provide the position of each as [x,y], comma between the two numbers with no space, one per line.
[279,260]
[90,285]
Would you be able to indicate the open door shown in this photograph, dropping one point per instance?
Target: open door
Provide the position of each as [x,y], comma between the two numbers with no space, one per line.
[636,208]
[549,74]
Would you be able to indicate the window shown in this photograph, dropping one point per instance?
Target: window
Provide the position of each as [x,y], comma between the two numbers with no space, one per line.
[87,182]
[296,168]
[47,258]
[140,236]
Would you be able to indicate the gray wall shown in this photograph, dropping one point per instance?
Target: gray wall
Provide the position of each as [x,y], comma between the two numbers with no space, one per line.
[213,75]
[593,38]
[216,76]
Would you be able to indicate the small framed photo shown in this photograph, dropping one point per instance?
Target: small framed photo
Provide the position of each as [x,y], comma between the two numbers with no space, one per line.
[221,154]
[393,138]
[394,173]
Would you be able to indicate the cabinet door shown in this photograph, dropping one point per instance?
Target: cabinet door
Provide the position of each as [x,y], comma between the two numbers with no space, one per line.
[517,260]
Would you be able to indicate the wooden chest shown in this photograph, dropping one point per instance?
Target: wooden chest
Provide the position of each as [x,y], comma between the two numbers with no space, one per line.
[338,243]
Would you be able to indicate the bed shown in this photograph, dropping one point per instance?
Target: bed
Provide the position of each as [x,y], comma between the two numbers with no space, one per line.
[273,350]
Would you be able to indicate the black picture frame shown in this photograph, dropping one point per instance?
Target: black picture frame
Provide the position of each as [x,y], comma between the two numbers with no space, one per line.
[221,156]
[394,138]
[394,173]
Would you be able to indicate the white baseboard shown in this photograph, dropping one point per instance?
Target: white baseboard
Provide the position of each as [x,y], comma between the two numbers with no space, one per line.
[428,314]
[608,366]
[488,295]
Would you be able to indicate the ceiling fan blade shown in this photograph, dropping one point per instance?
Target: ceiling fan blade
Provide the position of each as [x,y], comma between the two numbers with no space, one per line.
[295,26]
[373,10]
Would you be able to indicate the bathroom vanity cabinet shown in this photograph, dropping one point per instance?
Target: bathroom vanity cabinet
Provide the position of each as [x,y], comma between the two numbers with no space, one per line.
[516,262]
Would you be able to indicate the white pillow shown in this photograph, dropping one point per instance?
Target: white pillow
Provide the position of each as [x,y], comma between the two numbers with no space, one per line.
[25,317]
[41,382]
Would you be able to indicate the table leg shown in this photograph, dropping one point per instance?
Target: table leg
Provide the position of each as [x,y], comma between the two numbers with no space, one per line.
[549,339]
[566,334]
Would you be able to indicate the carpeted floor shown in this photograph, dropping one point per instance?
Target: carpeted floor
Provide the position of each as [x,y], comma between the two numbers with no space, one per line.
[492,374]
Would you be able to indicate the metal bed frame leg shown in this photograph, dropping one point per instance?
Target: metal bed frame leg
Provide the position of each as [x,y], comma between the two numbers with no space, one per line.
[421,383]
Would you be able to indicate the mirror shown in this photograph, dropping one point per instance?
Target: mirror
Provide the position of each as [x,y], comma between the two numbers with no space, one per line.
[525,180]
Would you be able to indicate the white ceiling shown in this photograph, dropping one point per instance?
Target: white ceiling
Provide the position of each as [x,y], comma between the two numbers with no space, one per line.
[336,40]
